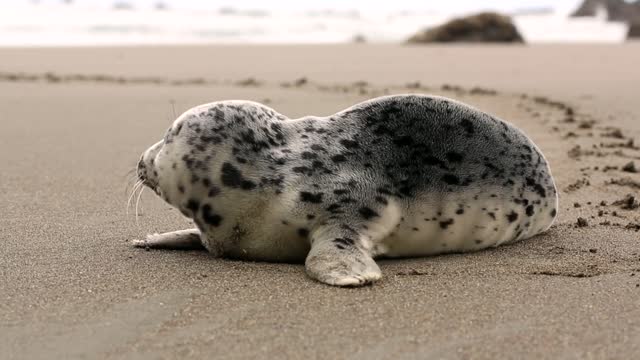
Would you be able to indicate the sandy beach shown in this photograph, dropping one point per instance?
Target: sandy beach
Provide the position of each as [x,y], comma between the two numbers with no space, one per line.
[75,120]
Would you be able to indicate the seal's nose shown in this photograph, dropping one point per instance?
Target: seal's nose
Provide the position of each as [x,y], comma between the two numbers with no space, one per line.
[141,169]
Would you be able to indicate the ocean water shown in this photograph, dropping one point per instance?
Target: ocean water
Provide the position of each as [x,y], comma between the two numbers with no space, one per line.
[74,25]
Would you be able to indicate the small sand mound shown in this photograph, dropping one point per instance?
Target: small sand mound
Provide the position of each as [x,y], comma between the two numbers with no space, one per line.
[483,27]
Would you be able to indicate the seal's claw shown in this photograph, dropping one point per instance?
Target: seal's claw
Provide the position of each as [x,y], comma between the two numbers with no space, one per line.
[139,243]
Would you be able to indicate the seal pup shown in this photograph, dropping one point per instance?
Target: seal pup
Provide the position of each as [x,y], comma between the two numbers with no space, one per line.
[395,176]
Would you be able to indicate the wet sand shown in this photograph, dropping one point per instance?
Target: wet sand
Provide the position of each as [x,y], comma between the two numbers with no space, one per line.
[74,122]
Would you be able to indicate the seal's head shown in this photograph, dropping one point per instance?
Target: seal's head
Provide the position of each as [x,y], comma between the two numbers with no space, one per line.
[183,166]
[147,170]
[213,150]
[165,168]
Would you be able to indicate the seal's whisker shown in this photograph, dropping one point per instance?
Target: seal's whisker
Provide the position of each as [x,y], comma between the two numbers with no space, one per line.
[137,202]
[132,179]
[173,108]
[133,192]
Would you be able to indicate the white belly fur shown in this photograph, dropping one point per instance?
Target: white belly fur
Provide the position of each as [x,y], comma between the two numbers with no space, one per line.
[424,230]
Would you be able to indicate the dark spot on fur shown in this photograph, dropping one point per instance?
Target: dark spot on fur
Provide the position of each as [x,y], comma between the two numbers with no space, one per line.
[467,125]
[451,179]
[303,232]
[307,155]
[367,213]
[512,216]
[193,205]
[338,158]
[349,144]
[445,224]
[247,185]
[311,197]
[530,211]
[454,157]
[209,217]
[536,187]
[301,170]
[213,191]
[317,164]
[403,140]
[381,200]
[232,177]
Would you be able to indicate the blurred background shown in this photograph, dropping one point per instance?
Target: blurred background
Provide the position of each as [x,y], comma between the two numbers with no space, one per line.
[129,22]
[80,100]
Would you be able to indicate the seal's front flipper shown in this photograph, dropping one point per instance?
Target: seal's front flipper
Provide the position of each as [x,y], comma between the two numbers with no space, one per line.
[341,259]
[176,240]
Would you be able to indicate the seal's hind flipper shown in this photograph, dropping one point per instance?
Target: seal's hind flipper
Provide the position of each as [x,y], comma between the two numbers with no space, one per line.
[338,257]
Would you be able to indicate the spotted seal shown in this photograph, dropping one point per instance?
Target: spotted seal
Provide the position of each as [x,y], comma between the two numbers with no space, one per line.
[395,176]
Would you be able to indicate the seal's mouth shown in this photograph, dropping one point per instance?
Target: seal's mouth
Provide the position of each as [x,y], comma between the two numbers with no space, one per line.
[150,185]
[142,171]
